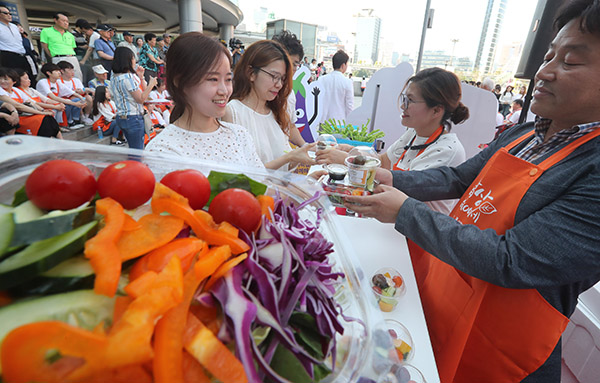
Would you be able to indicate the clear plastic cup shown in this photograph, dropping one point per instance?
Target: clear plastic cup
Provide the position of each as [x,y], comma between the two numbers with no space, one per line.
[387,301]
[402,340]
[362,174]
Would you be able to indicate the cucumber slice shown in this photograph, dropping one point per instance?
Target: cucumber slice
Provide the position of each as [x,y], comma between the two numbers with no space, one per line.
[81,308]
[73,274]
[43,255]
[7,228]
[27,211]
[5,208]
[49,225]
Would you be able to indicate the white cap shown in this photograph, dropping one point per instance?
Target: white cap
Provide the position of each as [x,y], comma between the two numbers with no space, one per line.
[99,69]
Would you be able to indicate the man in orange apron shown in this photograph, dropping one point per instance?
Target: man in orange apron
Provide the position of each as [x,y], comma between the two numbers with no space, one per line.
[504,270]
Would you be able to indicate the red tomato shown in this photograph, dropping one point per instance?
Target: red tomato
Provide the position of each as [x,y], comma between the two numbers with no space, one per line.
[130,183]
[191,184]
[60,184]
[238,207]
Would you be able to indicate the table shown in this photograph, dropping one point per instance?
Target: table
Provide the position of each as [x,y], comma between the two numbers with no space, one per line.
[379,245]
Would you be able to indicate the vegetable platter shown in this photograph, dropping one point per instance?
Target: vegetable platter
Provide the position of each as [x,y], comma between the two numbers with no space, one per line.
[161,291]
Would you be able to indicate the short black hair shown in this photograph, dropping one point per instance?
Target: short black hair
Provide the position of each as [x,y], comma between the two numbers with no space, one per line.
[49,67]
[122,60]
[57,15]
[587,10]
[339,58]
[291,43]
[149,36]
[83,24]
[65,65]
[518,102]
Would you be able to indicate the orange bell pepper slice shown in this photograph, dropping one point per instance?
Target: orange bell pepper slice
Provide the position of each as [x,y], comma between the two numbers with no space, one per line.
[184,248]
[193,372]
[126,374]
[25,353]
[155,231]
[224,269]
[267,205]
[166,200]
[168,336]
[130,338]
[203,345]
[130,224]
[102,249]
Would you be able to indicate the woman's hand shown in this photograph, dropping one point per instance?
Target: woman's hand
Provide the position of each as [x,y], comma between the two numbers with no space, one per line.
[152,82]
[300,155]
[59,106]
[383,205]
[139,70]
[331,156]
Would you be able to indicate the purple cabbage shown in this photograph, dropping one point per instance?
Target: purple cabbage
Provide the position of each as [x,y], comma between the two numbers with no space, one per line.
[287,271]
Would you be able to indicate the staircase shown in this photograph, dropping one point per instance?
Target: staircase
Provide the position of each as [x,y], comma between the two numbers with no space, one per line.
[86,134]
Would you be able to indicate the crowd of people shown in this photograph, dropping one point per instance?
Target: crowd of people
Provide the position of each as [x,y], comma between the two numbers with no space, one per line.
[63,89]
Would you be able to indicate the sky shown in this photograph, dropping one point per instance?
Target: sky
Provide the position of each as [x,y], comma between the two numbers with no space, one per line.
[402,20]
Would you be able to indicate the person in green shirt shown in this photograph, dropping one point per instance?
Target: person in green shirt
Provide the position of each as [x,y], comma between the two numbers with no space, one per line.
[59,44]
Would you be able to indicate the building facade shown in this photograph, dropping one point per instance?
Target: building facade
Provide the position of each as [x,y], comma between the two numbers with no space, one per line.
[306,33]
[490,32]
[368,30]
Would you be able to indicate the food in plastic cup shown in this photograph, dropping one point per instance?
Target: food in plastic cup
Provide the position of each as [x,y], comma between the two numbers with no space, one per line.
[336,172]
[403,342]
[393,348]
[388,286]
[361,170]
[326,141]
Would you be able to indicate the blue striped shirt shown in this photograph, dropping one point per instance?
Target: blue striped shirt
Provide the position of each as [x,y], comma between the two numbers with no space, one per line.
[121,86]
[537,148]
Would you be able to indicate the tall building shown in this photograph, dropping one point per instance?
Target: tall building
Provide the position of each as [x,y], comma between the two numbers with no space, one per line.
[368,29]
[492,24]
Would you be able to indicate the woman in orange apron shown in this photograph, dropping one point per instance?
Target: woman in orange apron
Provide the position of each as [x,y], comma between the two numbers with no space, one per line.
[104,112]
[40,122]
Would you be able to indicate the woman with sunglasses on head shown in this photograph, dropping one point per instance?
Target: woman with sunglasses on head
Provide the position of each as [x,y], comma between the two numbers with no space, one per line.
[429,101]
[262,83]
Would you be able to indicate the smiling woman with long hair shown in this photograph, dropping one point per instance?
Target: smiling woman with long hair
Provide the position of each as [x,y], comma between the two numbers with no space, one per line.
[199,80]
[262,83]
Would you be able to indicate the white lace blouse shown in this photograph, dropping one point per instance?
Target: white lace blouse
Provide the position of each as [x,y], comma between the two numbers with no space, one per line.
[230,143]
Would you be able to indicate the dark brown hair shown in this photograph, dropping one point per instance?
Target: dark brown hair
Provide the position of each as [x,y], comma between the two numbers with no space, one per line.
[189,58]
[258,55]
[122,61]
[440,87]
[587,10]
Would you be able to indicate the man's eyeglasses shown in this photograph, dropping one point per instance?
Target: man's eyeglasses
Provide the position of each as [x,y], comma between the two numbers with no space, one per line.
[275,77]
[5,13]
[405,101]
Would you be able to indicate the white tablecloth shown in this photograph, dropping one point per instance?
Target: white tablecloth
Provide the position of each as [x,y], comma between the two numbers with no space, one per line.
[380,245]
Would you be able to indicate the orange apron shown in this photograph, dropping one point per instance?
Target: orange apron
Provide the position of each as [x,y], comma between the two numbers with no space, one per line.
[481,332]
[419,267]
[438,132]
[101,122]
[27,124]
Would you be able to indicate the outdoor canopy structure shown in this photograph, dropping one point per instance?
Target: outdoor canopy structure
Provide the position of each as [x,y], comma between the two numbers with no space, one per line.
[218,17]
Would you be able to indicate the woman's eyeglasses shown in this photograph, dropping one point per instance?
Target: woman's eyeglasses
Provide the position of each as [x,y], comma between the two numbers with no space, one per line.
[405,101]
[275,77]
